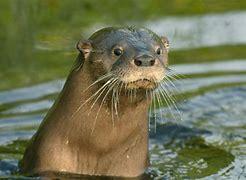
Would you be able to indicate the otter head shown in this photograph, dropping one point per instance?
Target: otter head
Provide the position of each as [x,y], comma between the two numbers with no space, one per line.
[136,57]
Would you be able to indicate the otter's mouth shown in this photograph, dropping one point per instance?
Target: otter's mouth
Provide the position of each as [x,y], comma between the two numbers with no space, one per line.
[142,84]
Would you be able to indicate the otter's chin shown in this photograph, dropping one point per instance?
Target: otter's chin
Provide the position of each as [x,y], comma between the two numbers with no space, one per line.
[142,84]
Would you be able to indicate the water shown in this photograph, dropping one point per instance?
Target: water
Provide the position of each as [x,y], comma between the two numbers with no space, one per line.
[210,140]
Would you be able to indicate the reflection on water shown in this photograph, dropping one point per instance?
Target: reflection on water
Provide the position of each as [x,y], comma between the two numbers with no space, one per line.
[209,142]
[207,30]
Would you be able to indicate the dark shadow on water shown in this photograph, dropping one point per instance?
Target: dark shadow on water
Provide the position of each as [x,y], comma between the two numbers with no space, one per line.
[8,167]
[180,152]
[175,131]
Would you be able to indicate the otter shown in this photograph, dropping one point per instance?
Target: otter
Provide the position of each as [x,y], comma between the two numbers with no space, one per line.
[99,124]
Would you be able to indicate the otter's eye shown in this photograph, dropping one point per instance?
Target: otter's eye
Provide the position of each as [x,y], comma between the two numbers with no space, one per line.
[158,51]
[118,52]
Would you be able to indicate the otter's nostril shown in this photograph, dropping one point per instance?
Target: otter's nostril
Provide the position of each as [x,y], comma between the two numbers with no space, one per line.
[137,62]
[152,62]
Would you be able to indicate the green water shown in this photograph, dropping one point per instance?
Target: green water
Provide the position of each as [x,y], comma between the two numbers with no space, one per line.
[205,139]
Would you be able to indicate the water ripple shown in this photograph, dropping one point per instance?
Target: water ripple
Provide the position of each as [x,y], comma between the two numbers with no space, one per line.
[33,92]
[220,66]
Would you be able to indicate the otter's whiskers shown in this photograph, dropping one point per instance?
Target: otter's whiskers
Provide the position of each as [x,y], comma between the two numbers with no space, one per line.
[164,94]
[93,95]
[110,87]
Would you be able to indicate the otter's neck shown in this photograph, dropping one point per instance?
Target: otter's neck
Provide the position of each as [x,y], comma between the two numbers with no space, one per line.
[83,103]
[103,144]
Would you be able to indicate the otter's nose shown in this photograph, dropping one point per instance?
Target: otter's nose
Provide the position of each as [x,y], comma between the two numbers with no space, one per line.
[144,60]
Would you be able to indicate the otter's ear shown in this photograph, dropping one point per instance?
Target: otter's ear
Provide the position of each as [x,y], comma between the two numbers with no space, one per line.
[85,47]
[165,42]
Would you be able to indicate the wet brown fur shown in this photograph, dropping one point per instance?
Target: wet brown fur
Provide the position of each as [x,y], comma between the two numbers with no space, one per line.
[77,142]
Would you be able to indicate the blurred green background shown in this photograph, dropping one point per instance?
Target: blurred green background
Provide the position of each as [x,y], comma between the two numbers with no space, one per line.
[38,36]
